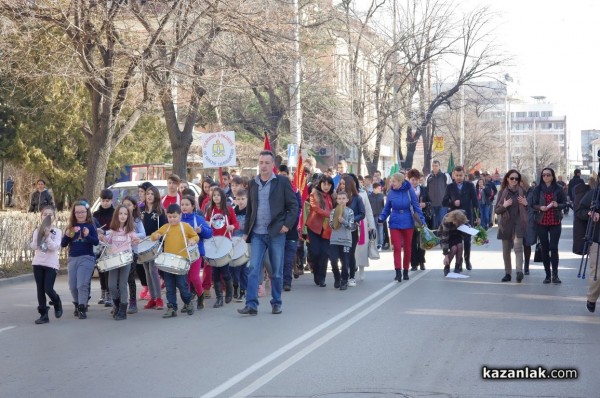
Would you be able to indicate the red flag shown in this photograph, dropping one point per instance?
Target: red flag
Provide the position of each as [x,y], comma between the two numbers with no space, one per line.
[267,143]
[267,147]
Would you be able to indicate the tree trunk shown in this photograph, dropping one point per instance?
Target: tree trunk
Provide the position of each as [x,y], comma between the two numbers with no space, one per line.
[181,140]
[97,163]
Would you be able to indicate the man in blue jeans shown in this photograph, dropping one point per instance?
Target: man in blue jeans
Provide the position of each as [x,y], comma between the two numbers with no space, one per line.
[271,212]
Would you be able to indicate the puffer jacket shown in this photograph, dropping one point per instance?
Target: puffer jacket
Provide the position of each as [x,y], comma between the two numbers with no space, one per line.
[197,221]
[398,205]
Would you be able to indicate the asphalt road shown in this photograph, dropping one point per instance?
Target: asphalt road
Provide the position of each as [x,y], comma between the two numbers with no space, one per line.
[429,336]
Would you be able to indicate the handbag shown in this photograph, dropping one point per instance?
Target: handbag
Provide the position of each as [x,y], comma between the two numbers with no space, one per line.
[415,216]
[537,257]
[373,252]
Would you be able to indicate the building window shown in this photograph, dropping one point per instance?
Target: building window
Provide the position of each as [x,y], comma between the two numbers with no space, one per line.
[534,114]
[521,114]
[546,126]
[559,126]
[546,113]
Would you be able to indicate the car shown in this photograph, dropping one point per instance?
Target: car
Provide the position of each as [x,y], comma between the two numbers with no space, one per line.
[130,188]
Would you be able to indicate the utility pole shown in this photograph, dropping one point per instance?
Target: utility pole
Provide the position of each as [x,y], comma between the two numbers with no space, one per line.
[296,120]
[396,134]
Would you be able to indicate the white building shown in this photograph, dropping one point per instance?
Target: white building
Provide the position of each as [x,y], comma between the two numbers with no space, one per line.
[538,137]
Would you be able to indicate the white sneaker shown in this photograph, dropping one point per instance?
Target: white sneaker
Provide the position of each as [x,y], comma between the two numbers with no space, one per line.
[352,282]
[361,273]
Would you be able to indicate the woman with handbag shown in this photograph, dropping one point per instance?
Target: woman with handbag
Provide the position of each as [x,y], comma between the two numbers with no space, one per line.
[530,238]
[512,226]
[417,258]
[317,226]
[405,213]
[549,201]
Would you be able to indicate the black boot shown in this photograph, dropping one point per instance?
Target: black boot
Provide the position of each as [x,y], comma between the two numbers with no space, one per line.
[58,310]
[555,279]
[122,311]
[115,309]
[548,274]
[76,312]
[458,266]
[82,310]
[219,294]
[228,291]
[405,274]
[200,305]
[43,315]
[398,275]
[235,290]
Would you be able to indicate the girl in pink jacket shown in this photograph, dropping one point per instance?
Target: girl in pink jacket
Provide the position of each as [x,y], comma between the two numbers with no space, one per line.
[46,243]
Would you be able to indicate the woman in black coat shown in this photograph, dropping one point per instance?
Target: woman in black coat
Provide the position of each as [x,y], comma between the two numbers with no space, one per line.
[549,200]
[580,224]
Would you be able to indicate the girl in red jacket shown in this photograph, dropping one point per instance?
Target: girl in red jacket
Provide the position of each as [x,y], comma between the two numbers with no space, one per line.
[222,220]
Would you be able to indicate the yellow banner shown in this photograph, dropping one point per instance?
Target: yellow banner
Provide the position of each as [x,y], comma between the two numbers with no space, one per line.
[438,144]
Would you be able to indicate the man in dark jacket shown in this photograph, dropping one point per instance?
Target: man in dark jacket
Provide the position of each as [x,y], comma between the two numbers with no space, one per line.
[437,182]
[40,197]
[583,213]
[271,212]
[576,180]
[461,195]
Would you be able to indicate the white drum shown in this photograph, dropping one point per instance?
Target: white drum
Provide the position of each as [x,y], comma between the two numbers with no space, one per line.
[193,252]
[240,253]
[218,251]
[108,262]
[147,250]
[172,264]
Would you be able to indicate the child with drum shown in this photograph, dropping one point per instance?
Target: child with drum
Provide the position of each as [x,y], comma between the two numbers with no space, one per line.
[80,236]
[176,235]
[223,222]
[104,216]
[119,237]
[153,218]
[240,274]
[140,232]
[204,231]
[46,243]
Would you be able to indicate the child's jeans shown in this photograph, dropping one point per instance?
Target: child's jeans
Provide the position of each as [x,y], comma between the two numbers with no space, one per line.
[343,254]
[173,282]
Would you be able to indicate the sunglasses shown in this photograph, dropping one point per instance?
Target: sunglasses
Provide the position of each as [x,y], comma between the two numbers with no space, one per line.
[514,178]
[546,175]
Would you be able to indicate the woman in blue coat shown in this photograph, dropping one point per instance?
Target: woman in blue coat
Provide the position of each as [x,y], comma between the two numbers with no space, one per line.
[401,198]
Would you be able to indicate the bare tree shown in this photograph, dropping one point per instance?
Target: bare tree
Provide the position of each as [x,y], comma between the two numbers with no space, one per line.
[440,39]
[100,47]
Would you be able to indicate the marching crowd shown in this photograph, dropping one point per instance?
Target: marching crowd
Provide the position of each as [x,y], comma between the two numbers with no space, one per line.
[343,220]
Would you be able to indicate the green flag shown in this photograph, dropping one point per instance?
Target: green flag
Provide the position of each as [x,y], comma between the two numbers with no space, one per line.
[351,168]
[394,169]
[450,164]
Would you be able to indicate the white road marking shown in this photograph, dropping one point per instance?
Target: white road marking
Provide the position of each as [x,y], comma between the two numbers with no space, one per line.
[7,328]
[307,350]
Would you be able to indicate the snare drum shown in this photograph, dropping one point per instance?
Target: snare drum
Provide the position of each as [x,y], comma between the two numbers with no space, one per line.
[240,254]
[109,262]
[172,264]
[218,251]
[147,250]
[193,253]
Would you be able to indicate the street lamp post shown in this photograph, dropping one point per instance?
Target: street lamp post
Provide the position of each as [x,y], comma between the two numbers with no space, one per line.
[507,119]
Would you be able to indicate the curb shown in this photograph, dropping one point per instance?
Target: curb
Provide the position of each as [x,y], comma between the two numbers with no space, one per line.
[16,279]
[23,278]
